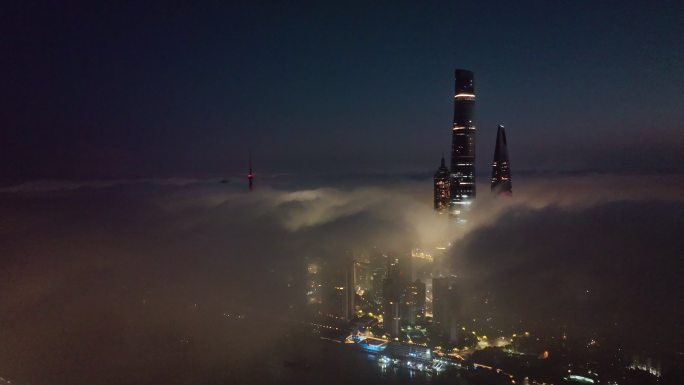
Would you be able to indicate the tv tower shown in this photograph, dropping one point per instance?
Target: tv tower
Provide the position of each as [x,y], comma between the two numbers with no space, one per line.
[250,175]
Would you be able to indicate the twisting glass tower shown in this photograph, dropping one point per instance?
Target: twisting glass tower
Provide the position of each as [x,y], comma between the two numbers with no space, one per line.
[462,177]
[501,168]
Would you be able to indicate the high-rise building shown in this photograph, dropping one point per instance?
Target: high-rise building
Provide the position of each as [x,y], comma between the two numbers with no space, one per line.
[331,288]
[350,290]
[391,295]
[378,266]
[377,276]
[442,192]
[413,303]
[462,177]
[364,274]
[314,284]
[445,307]
[501,168]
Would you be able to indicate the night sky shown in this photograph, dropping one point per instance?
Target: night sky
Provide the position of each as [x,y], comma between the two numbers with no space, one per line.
[132,90]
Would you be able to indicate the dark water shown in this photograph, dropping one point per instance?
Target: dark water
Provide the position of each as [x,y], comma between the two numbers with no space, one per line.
[311,361]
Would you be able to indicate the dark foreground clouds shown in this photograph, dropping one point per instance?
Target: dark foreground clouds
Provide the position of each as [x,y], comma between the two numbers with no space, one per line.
[171,282]
[193,282]
[610,270]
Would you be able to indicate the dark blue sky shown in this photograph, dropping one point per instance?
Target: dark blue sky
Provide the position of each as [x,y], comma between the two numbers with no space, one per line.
[132,90]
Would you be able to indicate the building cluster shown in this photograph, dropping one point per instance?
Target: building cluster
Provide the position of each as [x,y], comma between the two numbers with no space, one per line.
[403,297]
[455,188]
[409,312]
[399,294]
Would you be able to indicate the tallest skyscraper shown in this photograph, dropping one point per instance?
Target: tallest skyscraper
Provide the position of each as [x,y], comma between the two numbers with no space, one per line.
[462,176]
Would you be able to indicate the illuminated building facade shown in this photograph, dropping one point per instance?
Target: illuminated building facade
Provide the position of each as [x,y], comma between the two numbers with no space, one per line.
[462,177]
[409,351]
[442,193]
[501,168]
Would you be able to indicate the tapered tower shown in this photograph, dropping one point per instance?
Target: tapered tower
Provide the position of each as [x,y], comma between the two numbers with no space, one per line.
[501,168]
[462,177]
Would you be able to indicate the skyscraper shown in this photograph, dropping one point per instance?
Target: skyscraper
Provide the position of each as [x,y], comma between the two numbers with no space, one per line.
[399,273]
[501,168]
[391,295]
[445,307]
[462,177]
[442,192]
[314,295]
[413,303]
[350,290]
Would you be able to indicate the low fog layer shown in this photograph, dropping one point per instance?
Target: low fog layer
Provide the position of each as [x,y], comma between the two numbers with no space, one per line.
[185,281]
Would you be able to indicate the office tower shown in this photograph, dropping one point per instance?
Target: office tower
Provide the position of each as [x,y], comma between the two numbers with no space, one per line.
[462,177]
[335,299]
[378,266]
[335,282]
[314,284]
[364,274]
[399,274]
[445,307]
[391,295]
[413,303]
[441,181]
[378,275]
[501,168]
[350,290]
